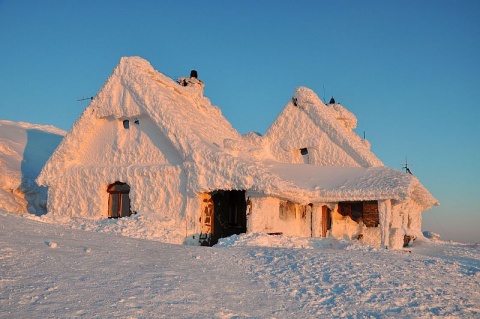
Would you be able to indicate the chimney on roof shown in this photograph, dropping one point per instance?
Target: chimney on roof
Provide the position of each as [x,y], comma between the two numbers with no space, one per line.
[332,101]
[194,84]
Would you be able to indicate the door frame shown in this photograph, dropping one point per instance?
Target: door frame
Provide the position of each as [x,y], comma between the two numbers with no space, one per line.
[118,193]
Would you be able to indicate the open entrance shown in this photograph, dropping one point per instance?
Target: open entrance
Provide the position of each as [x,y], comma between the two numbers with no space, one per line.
[224,213]
[118,200]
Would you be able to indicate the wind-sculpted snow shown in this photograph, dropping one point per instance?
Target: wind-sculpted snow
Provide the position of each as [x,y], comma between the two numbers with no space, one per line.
[24,149]
[49,271]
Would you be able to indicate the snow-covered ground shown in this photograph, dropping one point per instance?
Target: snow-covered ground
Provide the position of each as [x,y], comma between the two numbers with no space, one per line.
[53,271]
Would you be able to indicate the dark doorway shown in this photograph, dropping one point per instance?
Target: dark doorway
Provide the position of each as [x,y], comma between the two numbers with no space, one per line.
[118,200]
[230,214]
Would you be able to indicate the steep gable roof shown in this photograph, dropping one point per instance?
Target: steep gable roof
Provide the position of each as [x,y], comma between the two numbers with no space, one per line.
[334,120]
[135,88]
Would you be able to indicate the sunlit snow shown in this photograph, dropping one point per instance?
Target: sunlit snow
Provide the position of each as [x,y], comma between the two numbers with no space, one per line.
[72,265]
[53,271]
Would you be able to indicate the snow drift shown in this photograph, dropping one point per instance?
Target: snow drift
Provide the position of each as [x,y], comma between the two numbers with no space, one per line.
[24,149]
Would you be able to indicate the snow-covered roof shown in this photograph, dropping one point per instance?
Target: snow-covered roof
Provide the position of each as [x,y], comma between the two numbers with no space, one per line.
[309,184]
[216,156]
[191,123]
[333,120]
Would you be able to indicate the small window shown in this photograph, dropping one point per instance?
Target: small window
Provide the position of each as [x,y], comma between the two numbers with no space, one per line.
[352,209]
[286,210]
[136,122]
[126,124]
[304,151]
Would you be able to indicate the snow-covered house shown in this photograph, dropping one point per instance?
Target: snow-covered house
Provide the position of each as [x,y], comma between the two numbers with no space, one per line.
[151,146]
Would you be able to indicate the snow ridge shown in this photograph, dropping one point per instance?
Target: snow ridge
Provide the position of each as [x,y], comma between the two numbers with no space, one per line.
[24,149]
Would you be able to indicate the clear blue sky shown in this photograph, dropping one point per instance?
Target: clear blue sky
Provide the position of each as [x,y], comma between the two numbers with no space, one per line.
[409,71]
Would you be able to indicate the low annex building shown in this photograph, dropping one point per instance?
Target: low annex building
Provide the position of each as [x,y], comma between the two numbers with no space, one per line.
[149,145]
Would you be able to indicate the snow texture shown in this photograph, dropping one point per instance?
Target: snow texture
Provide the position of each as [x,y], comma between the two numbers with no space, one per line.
[91,274]
[180,137]
[24,149]
[172,146]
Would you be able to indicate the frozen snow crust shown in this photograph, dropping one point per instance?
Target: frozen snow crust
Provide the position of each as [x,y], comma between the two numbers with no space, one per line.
[53,271]
[24,149]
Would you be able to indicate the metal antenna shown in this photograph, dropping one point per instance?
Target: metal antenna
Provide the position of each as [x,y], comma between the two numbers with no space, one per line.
[405,166]
[85,98]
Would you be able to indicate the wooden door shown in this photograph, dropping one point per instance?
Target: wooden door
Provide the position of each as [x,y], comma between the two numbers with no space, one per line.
[118,200]
[326,220]
[206,220]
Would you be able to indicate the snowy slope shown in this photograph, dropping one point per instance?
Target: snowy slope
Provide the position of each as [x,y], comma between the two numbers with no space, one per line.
[49,271]
[24,149]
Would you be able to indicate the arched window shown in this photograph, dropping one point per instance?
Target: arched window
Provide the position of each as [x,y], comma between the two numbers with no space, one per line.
[118,200]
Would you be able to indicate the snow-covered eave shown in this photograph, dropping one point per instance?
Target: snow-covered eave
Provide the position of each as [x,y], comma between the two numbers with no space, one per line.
[30,126]
[222,171]
[336,184]
[311,197]
[422,196]
[216,169]
[304,197]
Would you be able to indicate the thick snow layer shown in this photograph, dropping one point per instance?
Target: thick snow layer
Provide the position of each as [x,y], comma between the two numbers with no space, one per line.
[327,131]
[24,149]
[176,128]
[49,271]
[332,184]
[135,91]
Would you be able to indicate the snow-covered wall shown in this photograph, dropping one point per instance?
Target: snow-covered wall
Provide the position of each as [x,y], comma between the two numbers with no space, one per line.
[110,144]
[272,215]
[154,190]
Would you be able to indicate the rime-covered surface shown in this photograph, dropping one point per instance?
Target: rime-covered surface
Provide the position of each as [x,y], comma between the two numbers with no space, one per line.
[306,122]
[170,145]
